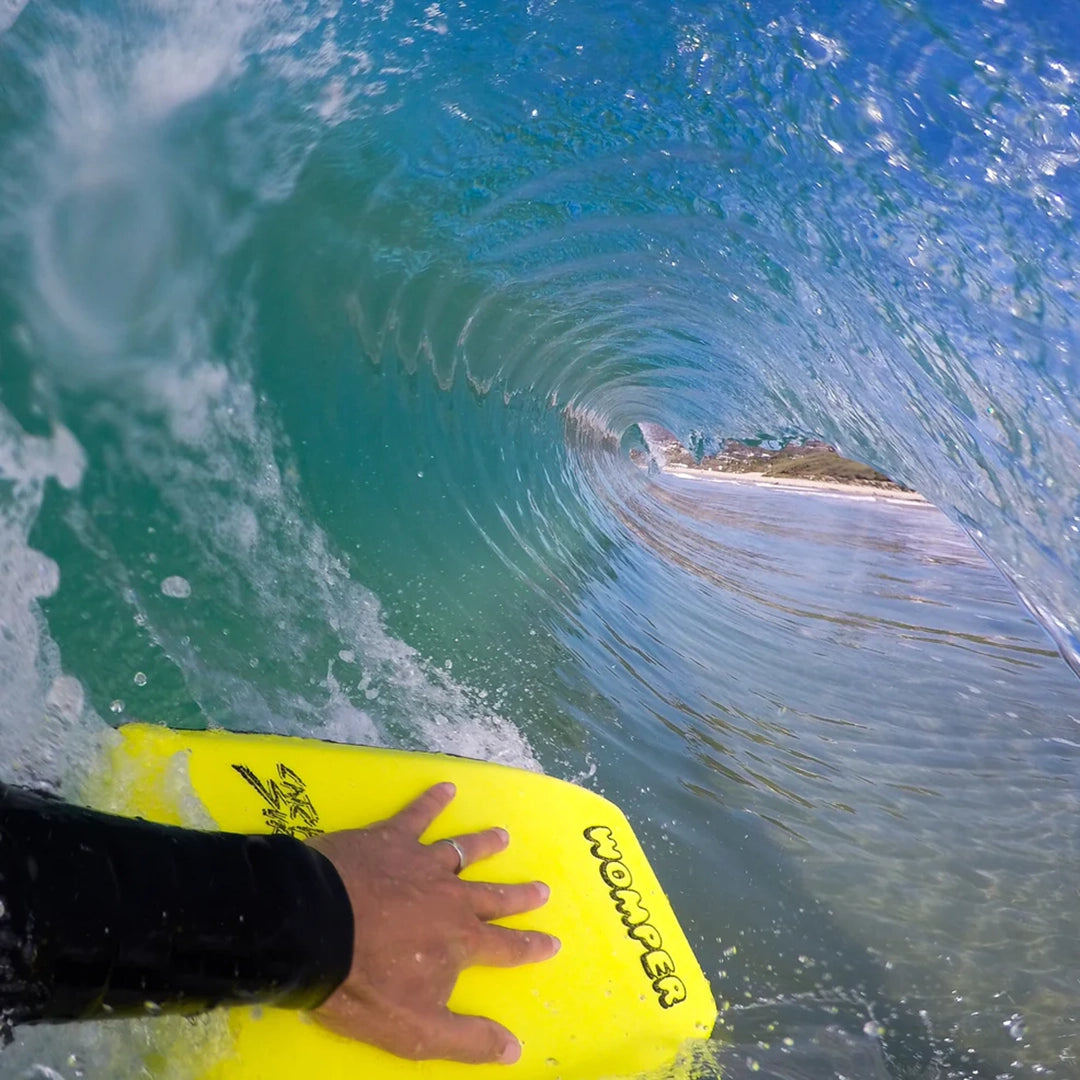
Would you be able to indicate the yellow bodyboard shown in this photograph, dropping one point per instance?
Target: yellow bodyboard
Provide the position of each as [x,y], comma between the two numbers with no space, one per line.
[621,997]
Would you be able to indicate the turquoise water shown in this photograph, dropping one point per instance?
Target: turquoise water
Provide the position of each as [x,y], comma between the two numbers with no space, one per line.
[325,332]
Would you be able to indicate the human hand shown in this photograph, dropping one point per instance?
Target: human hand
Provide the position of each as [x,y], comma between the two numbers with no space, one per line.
[417,927]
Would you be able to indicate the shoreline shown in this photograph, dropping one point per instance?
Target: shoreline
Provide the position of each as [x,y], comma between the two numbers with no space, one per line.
[821,487]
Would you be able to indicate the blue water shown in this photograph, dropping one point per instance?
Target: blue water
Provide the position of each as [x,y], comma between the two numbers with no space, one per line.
[325,332]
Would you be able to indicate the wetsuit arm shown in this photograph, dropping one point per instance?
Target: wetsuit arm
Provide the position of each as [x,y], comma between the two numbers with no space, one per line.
[101,915]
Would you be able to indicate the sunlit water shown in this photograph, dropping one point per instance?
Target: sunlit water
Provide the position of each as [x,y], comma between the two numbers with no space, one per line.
[324,334]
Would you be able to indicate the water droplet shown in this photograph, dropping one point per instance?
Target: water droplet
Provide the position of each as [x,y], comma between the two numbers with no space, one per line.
[139,679]
[1015,1027]
[177,587]
[116,706]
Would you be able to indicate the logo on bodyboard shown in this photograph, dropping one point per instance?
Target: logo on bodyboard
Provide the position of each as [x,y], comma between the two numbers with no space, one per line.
[289,810]
[656,961]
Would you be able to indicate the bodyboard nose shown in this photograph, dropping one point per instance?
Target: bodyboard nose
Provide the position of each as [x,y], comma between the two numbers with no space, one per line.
[621,998]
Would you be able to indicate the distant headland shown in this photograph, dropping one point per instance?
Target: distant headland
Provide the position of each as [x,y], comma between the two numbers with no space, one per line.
[812,464]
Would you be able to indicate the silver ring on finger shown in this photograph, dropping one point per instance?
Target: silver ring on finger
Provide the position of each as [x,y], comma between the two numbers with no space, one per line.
[462,862]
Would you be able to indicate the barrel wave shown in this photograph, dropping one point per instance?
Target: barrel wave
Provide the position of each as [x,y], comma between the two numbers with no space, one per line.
[326,331]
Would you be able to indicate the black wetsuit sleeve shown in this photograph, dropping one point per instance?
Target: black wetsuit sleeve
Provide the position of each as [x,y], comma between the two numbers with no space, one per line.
[101,915]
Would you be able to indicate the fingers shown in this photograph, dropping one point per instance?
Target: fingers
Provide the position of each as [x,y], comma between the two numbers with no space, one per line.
[471,1039]
[498,901]
[423,810]
[475,846]
[498,947]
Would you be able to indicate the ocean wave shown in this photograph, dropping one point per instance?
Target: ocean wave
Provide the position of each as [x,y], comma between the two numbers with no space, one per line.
[325,331]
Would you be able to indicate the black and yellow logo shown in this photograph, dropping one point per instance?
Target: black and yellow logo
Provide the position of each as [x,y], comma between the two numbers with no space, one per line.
[289,810]
[657,962]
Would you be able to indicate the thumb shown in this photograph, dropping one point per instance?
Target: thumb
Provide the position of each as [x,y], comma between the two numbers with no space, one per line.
[472,1039]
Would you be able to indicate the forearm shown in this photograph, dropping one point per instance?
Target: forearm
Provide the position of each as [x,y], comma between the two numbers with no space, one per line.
[105,916]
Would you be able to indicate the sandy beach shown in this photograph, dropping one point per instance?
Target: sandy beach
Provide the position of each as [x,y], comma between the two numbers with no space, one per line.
[822,487]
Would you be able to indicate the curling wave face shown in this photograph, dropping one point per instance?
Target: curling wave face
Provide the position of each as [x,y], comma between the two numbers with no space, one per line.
[324,331]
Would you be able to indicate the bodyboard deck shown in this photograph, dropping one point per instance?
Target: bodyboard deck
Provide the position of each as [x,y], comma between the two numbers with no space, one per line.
[621,997]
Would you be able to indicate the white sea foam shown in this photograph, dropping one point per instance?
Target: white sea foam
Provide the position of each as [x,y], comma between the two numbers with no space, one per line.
[217,463]
[43,725]
[124,228]
[10,10]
